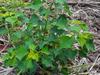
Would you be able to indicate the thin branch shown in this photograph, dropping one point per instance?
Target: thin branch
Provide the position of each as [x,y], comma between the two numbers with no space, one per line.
[83,3]
[94,63]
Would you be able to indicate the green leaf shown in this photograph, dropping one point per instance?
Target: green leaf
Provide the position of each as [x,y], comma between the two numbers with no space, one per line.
[31,66]
[62,56]
[27,66]
[75,22]
[83,37]
[16,36]
[11,20]
[36,4]
[56,51]
[47,61]
[83,52]
[55,29]
[82,25]
[66,41]
[34,19]
[87,35]
[64,71]
[61,22]
[45,12]
[71,54]
[75,28]
[6,57]
[33,55]
[42,44]
[67,9]
[10,50]
[3,31]
[26,20]
[45,50]
[90,45]
[28,42]
[32,47]
[60,1]
[19,14]
[21,51]
[81,40]
[11,62]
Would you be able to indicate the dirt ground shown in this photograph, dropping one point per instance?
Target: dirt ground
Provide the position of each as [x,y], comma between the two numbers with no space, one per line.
[89,11]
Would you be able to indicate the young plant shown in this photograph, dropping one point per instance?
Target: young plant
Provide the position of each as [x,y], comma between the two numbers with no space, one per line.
[44,40]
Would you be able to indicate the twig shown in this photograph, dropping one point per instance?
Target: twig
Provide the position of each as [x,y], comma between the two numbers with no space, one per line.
[83,3]
[77,12]
[9,35]
[94,63]
[1,39]
[6,71]
[85,73]
[4,48]
[82,65]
